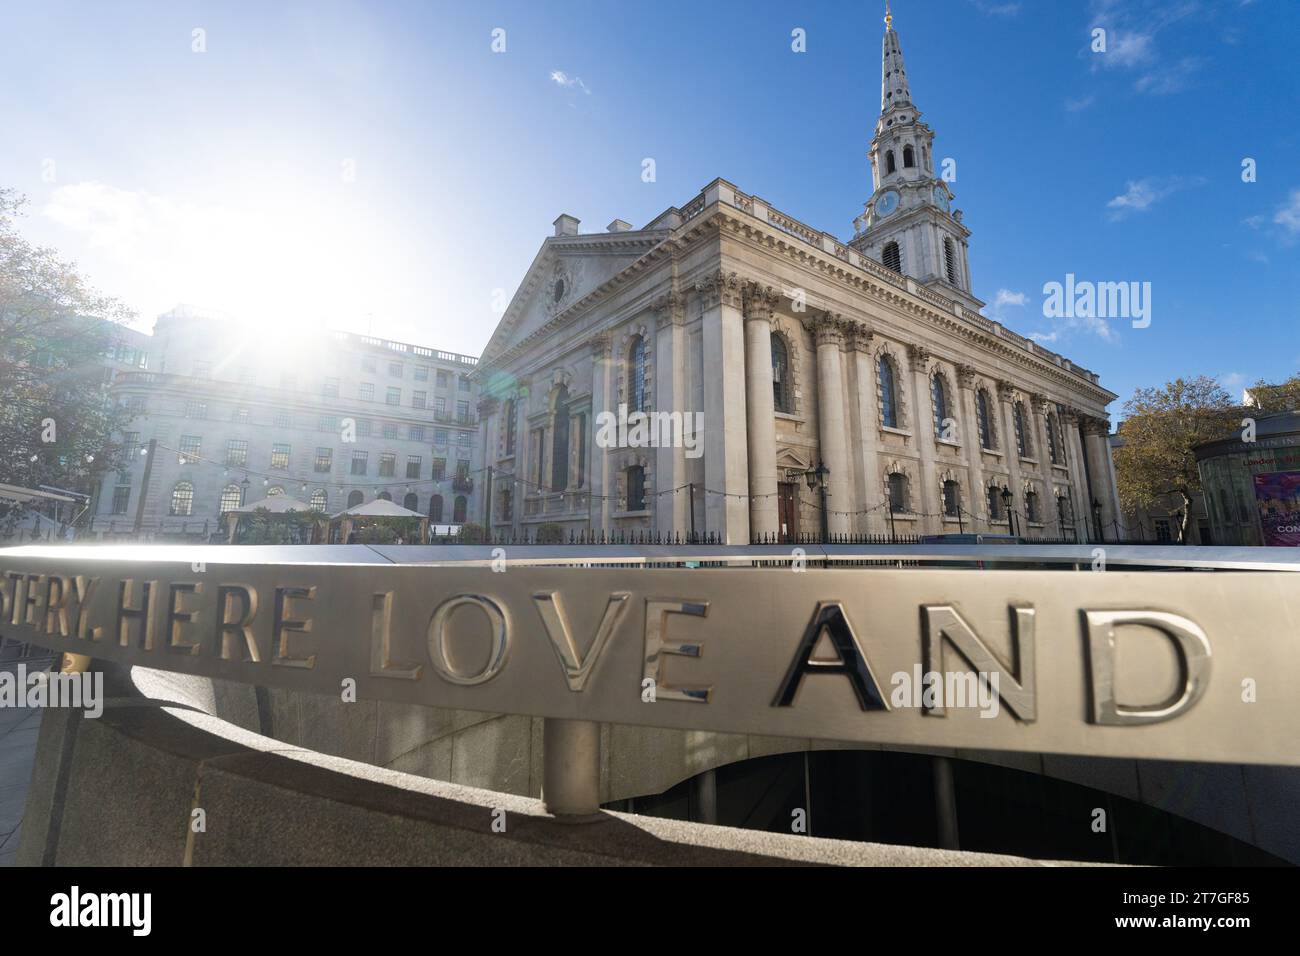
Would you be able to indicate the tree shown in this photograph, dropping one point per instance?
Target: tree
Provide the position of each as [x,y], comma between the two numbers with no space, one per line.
[1160,428]
[1282,397]
[56,422]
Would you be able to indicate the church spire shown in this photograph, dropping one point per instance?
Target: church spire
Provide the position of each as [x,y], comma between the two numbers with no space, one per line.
[894,90]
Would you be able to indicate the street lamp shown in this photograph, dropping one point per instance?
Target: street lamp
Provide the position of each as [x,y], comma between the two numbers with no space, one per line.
[1006,506]
[816,478]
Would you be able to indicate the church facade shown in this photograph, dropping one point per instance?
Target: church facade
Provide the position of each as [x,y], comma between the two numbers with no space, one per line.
[861,374]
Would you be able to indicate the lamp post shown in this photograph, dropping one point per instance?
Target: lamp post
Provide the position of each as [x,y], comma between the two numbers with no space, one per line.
[817,482]
[1006,506]
[1096,518]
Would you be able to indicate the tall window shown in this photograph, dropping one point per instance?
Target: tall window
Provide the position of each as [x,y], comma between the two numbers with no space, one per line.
[355,498]
[950,261]
[387,464]
[324,460]
[1063,512]
[898,492]
[413,465]
[560,441]
[435,509]
[280,456]
[236,452]
[781,392]
[951,499]
[987,434]
[888,392]
[1053,439]
[994,495]
[411,502]
[458,509]
[636,375]
[231,498]
[509,415]
[319,500]
[939,400]
[892,257]
[636,488]
[182,499]
[1031,507]
[1023,443]
[121,498]
[190,449]
[909,157]
[890,165]
[359,460]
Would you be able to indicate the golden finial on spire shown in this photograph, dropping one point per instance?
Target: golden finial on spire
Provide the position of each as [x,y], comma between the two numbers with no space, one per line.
[889,17]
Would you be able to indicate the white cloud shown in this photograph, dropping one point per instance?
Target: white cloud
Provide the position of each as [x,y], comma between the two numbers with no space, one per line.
[560,78]
[1172,79]
[1142,194]
[1079,104]
[997,9]
[1232,381]
[1288,214]
[1007,297]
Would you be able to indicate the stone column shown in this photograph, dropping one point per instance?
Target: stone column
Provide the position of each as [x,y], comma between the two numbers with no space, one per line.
[867,442]
[601,486]
[1101,475]
[969,433]
[927,496]
[760,405]
[726,456]
[1079,501]
[490,419]
[833,434]
[1006,393]
[671,510]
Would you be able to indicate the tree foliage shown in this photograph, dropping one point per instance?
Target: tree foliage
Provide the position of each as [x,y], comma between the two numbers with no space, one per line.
[1282,397]
[56,422]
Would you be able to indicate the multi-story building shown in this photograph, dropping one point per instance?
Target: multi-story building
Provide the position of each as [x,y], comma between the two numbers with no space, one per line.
[333,421]
[865,366]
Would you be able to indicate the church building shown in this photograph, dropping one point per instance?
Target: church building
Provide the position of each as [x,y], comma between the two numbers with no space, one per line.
[757,367]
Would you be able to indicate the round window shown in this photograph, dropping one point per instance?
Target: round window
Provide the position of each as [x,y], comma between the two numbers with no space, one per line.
[558,292]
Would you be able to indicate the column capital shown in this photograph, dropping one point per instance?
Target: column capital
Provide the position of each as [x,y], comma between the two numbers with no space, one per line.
[669,308]
[487,405]
[1006,390]
[966,376]
[827,329]
[862,335]
[1040,402]
[1095,426]
[720,286]
[1070,416]
[600,345]
[919,356]
[760,301]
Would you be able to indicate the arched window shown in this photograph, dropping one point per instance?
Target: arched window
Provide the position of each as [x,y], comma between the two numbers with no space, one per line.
[231,498]
[458,510]
[890,165]
[888,392]
[274,491]
[1053,439]
[182,499]
[994,496]
[939,400]
[560,441]
[435,509]
[891,257]
[951,498]
[384,496]
[909,157]
[1023,443]
[635,488]
[898,492]
[508,419]
[411,502]
[636,376]
[355,498]
[1031,507]
[988,436]
[950,261]
[1064,514]
[319,500]
[781,391]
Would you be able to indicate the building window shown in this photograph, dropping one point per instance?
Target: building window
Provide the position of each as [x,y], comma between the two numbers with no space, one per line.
[439,469]
[413,465]
[440,436]
[393,396]
[387,464]
[462,413]
[781,392]
[190,449]
[581,441]
[324,460]
[995,504]
[415,433]
[319,500]
[458,510]
[239,415]
[1164,534]
[330,388]
[909,157]
[327,423]
[280,456]
[421,373]
[390,429]
[236,452]
[411,502]
[950,261]
[939,399]
[1031,507]
[363,427]
[441,379]
[463,384]
[366,391]
[888,392]
[509,413]
[987,434]
[274,491]
[1024,445]
[121,499]
[196,409]
[898,502]
[463,439]
[890,165]
[439,407]
[182,499]
[418,399]
[283,420]
[395,369]
[359,461]
[636,488]
[1064,515]
[232,497]
[355,498]
[435,509]
[507,506]
[560,441]
[951,499]
[1053,439]
[892,257]
[636,375]
[383,496]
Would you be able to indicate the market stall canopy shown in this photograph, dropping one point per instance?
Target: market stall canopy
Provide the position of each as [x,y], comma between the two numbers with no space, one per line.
[379,508]
[276,504]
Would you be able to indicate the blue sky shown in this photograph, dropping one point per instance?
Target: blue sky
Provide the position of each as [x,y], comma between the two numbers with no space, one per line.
[378,167]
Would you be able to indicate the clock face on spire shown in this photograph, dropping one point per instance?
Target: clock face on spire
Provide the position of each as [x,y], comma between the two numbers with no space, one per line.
[887,203]
[941,198]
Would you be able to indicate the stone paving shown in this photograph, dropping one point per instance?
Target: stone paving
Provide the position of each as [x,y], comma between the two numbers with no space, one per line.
[18,730]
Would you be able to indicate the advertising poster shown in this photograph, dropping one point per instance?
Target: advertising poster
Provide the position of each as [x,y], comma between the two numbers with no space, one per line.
[1278,496]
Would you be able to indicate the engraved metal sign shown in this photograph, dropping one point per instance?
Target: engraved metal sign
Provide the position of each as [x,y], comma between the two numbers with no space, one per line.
[1126,663]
